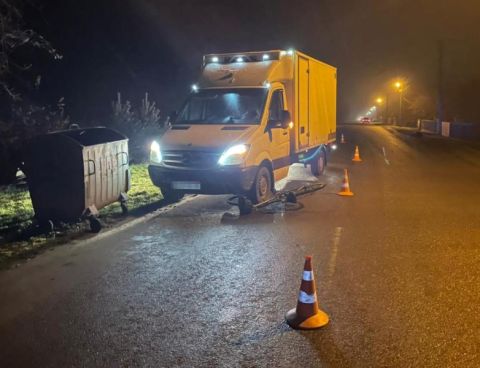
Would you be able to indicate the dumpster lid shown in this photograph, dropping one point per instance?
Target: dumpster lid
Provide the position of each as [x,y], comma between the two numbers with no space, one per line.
[92,136]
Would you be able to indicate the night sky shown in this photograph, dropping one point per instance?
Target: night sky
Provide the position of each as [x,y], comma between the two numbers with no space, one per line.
[155,46]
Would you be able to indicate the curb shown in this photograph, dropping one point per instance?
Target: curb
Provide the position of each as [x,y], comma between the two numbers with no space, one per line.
[128,224]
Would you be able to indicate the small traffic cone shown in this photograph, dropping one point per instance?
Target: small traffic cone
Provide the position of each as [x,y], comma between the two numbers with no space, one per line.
[345,191]
[342,140]
[307,315]
[356,156]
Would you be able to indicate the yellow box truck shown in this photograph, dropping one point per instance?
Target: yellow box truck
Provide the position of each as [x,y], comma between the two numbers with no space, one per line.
[249,117]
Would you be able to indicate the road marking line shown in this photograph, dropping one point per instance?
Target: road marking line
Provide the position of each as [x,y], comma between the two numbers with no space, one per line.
[385,156]
[333,256]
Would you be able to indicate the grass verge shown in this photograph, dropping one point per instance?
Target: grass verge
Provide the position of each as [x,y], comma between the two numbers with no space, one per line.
[16,216]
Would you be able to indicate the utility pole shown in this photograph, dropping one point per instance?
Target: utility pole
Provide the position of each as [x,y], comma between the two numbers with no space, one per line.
[400,114]
[399,86]
[440,97]
[386,108]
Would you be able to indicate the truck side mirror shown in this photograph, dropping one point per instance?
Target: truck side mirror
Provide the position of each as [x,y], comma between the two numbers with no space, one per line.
[171,118]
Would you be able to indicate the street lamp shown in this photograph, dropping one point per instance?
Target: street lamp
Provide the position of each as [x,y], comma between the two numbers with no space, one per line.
[399,87]
[382,114]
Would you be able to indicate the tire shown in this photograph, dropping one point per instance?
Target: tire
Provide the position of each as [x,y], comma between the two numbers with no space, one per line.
[171,196]
[244,206]
[95,224]
[46,227]
[318,166]
[262,186]
[124,208]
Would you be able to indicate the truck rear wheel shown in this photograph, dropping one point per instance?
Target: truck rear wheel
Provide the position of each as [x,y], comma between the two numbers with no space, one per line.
[262,187]
[318,166]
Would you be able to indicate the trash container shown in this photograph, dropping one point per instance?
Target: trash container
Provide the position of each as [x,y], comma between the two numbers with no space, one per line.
[72,174]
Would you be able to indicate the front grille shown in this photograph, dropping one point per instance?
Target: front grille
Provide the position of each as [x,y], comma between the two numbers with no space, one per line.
[193,159]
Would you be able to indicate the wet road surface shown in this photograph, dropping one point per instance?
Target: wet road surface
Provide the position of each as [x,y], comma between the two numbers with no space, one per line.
[397,269]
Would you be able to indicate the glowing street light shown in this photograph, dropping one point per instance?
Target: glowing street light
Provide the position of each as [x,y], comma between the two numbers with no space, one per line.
[382,101]
[399,87]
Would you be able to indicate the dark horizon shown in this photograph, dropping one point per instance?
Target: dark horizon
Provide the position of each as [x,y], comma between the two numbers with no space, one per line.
[157,47]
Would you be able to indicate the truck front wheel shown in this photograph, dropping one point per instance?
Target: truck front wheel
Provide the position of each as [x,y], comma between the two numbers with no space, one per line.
[262,187]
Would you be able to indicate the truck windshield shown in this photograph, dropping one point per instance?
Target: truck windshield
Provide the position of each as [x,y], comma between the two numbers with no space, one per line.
[224,106]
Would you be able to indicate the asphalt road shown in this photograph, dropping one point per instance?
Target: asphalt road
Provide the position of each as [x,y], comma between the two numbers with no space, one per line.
[397,269]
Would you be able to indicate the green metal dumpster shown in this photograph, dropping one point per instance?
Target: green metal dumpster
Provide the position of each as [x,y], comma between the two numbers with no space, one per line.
[72,174]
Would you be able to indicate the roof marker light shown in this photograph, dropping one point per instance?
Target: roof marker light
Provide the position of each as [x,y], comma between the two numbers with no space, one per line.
[266,57]
[290,52]
[194,88]
[215,59]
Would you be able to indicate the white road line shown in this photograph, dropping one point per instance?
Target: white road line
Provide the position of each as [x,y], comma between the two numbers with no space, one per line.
[332,263]
[385,156]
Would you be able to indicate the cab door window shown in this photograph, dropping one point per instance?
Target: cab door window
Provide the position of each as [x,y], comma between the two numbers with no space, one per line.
[276,106]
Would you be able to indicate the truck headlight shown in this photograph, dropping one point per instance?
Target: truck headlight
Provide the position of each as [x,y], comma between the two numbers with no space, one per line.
[155,153]
[234,155]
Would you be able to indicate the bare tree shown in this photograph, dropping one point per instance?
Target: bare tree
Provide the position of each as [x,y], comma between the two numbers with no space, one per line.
[13,37]
[138,122]
[24,119]
[421,106]
[131,121]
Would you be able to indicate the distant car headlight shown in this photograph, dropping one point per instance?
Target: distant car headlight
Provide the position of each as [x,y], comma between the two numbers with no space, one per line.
[234,155]
[155,153]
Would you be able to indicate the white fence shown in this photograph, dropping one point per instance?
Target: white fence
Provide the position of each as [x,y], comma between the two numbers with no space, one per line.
[448,129]
[445,128]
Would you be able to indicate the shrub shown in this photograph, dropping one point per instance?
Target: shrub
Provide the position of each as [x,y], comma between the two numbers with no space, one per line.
[138,124]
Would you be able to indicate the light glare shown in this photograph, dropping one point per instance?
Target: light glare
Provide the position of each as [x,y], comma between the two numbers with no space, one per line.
[234,155]
[155,153]
[266,57]
[215,59]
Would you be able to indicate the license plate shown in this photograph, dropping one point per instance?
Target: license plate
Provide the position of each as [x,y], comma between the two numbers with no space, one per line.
[186,185]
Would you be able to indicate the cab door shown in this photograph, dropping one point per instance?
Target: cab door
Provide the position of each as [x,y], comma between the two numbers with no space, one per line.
[279,137]
[303,123]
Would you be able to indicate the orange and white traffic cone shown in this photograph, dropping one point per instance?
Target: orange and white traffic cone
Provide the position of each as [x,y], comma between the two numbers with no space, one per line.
[345,191]
[356,156]
[342,140]
[307,315]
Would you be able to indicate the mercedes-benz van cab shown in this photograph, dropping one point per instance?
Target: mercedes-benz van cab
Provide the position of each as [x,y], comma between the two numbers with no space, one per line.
[249,117]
